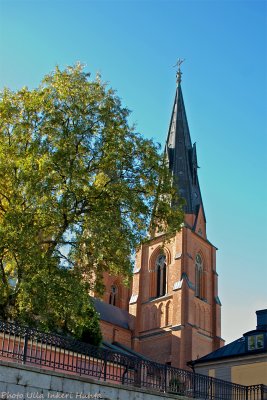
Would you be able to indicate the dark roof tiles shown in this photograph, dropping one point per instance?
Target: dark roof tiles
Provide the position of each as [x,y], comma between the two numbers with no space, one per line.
[234,349]
[112,314]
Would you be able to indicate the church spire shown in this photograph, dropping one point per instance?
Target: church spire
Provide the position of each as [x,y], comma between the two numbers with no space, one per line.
[181,154]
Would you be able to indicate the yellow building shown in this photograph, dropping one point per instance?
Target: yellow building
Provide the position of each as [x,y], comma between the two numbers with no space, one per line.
[243,361]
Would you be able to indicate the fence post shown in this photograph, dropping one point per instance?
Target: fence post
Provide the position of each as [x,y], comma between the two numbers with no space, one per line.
[105,366]
[165,378]
[211,387]
[137,373]
[262,392]
[247,392]
[25,347]
[194,383]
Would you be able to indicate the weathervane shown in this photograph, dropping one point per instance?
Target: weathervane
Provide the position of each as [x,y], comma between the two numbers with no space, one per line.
[179,72]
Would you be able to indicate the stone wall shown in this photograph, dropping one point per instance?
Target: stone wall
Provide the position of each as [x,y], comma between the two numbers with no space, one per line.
[24,382]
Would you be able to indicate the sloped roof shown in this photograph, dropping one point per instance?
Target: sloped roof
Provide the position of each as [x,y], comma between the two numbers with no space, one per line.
[237,347]
[113,314]
[233,349]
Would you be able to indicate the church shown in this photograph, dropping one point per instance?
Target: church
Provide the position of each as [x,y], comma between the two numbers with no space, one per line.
[172,313]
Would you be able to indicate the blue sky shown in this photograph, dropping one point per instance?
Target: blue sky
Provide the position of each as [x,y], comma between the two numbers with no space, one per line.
[134,45]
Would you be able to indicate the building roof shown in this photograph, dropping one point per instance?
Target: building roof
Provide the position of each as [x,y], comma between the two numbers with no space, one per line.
[239,347]
[113,314]
[182,156]
[236,348]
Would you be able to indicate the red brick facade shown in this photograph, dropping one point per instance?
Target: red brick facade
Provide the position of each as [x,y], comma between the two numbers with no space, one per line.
[179,326]
[184,323]
[114,333]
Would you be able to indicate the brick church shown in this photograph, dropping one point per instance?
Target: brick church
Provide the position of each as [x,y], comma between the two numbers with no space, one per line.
[172,313]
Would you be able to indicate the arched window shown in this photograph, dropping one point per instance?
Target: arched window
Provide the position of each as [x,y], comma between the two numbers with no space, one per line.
[113,295]
[161,275]
[199,277]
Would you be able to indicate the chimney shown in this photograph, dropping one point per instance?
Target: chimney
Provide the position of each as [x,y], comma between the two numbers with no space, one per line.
[262,319]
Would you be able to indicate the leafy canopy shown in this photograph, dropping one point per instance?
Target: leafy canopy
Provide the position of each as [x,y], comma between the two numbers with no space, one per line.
[78,188]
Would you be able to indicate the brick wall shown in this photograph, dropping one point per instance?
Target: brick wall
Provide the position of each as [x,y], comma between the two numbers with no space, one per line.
[196,319]
[113,333]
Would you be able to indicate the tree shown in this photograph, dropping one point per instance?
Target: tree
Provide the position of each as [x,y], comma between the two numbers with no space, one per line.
[78,188]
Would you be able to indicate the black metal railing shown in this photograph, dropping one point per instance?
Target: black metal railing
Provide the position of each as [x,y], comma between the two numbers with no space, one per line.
[32,347]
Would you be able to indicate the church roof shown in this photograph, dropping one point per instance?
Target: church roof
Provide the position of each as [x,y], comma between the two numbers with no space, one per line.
[113,314]
[181,155]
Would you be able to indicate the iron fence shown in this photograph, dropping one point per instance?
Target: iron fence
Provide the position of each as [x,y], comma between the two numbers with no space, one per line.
[54,352]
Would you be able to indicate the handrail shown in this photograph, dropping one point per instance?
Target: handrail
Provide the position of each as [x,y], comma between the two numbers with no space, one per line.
[61,353]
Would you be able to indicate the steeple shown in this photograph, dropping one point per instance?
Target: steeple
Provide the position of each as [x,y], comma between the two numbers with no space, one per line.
[181,154]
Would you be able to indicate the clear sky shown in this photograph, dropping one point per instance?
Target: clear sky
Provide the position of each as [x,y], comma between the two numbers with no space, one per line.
[134,45]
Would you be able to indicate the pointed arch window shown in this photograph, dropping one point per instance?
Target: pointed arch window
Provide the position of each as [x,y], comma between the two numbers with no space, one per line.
[113,295]
[161,275]
[199,277]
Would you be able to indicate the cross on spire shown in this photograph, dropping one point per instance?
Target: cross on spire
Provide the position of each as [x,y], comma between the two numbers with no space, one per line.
[179,72]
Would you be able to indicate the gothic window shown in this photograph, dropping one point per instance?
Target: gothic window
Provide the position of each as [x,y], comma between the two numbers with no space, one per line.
[113,295]
[161,275]
[199,277]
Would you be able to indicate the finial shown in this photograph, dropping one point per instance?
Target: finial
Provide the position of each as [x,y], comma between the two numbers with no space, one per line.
[179,72]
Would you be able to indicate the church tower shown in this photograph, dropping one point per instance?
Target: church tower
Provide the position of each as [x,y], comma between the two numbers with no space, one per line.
[174,293]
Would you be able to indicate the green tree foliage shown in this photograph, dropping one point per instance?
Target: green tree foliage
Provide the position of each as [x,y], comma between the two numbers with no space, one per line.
[77,190]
